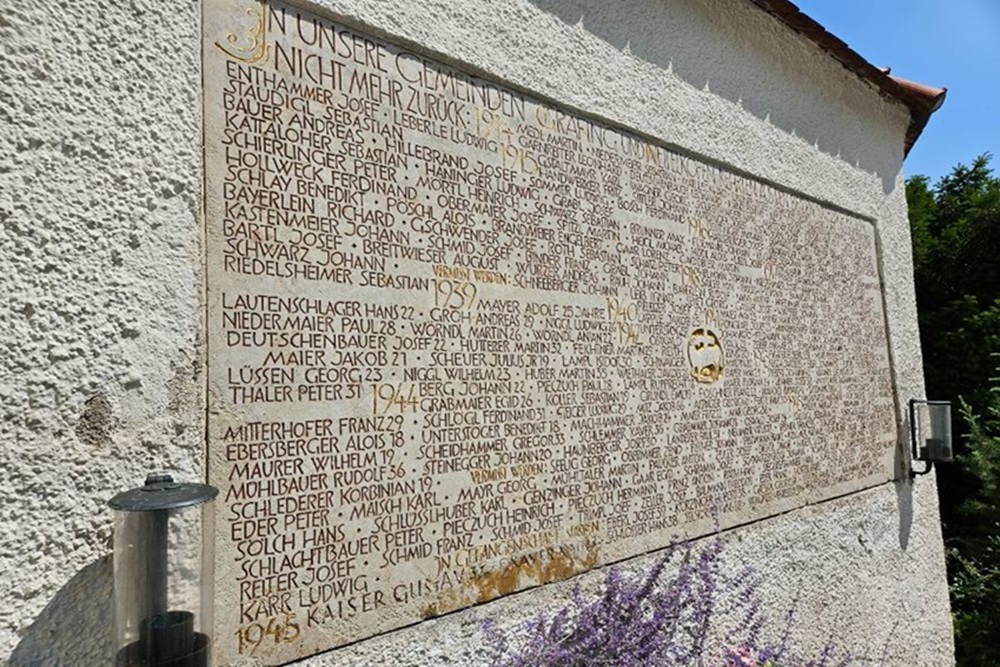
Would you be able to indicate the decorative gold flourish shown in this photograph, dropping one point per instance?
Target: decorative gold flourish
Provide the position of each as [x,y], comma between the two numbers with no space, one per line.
[705,358]
[252,47]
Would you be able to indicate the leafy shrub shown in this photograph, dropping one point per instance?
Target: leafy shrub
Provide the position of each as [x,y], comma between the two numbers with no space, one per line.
[974,555]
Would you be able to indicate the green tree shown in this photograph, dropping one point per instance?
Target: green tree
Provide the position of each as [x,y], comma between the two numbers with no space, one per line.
[955,226]
[922,207]
[974,556]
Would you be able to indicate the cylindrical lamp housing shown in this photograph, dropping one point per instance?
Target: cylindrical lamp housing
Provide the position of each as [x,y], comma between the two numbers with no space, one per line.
[164,574]
[930,430]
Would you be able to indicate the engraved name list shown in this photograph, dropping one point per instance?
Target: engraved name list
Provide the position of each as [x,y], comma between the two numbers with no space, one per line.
[463,342]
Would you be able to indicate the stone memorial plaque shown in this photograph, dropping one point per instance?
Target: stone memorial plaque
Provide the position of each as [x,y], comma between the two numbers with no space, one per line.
[463,342]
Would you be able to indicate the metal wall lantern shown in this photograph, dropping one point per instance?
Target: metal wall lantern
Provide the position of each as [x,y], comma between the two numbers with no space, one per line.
[930,433]
[164,574]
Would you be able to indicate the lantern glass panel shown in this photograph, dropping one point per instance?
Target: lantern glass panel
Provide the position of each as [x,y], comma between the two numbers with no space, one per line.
[164,581]
[932,431]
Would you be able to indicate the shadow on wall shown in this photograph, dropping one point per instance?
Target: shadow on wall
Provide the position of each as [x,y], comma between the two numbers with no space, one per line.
[904,483]
[658,32]
[76,627]
[904,504]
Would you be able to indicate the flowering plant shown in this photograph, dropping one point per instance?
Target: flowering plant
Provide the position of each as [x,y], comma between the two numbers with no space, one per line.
[654,620]
[741,656]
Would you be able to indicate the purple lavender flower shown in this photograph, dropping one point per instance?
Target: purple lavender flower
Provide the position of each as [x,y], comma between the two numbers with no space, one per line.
[654,620]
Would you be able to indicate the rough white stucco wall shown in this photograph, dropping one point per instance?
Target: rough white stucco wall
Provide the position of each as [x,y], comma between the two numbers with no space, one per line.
[100,377]
[100,374]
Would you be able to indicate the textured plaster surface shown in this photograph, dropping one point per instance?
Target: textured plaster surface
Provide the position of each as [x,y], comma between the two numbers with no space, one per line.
[100,370]
[100,308]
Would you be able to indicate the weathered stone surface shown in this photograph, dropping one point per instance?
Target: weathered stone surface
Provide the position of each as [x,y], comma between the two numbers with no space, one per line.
[462,342]
[100,224]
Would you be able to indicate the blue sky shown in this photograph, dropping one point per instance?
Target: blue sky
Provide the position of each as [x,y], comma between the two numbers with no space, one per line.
[947,43]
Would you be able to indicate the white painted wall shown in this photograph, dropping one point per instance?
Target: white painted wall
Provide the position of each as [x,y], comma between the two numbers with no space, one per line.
[101,370]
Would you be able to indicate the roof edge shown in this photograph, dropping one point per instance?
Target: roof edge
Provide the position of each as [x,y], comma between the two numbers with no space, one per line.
[921,100]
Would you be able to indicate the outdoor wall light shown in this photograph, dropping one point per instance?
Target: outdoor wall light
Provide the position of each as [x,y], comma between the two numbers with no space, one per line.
[164,573]
[930,433]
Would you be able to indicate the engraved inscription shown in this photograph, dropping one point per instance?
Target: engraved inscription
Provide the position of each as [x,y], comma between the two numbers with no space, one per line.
[462,342]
